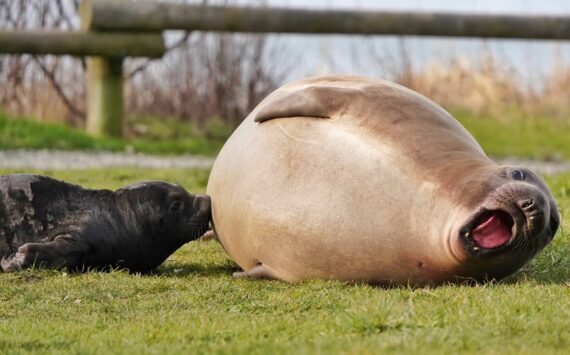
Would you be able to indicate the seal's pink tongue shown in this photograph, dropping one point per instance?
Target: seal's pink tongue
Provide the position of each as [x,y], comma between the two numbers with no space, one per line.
[492,233]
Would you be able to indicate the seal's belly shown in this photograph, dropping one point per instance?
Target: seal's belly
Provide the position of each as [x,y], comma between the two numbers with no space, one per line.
[323,203]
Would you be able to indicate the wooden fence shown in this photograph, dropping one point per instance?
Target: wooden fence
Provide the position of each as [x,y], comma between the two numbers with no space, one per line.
[115,29]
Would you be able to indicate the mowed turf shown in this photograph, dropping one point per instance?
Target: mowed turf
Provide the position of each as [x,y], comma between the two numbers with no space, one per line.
[158,136]
[193,305]
[512,134]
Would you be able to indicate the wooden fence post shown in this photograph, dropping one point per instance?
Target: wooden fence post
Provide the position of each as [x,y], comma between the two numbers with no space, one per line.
[104,88]
[105,96]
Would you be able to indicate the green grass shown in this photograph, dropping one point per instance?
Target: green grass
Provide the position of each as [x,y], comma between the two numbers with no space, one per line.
[193,305]
[516,135]
[153,136]
[193,180]
[513,135]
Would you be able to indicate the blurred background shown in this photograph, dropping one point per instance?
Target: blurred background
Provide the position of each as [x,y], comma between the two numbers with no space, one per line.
[511,94]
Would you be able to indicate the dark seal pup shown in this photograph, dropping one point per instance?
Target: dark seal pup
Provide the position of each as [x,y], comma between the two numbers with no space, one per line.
[53,224]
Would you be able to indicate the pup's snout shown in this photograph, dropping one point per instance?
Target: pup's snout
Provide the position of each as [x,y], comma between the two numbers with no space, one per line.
[203,204]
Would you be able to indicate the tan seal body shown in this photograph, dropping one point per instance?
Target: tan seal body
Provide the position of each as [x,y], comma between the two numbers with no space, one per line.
[361,179]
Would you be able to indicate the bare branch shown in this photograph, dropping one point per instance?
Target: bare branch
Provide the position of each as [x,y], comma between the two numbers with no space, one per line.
[64,16]
[50,74]
[180,43]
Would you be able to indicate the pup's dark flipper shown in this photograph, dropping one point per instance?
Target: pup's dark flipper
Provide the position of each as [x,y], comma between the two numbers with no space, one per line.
[64,251]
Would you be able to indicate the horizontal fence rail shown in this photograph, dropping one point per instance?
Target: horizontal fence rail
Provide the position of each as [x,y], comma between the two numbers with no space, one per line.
[82,43]
[153,16]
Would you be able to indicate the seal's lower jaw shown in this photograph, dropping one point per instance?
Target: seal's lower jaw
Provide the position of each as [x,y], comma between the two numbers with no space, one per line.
[488,232]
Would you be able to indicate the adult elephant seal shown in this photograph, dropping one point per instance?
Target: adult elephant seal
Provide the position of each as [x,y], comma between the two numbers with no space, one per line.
[360,179]
[53,224]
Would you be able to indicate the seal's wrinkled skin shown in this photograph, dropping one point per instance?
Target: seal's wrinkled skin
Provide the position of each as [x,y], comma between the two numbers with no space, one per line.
[360,179]
[53,224]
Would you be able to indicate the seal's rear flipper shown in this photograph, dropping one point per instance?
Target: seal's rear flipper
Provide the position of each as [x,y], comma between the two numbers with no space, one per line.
[312,102]
[259,271]
[12,262]
[64,251]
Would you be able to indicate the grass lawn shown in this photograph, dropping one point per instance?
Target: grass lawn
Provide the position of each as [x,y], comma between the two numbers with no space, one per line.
[193,305]
[531,137]
[155,136]
[515,135]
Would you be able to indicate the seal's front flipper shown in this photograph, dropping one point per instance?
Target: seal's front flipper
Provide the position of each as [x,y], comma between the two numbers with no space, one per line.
[209,235]
[313,101]
[259,271]
[65,250]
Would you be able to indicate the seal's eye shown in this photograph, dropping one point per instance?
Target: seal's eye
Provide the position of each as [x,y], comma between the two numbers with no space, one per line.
[518,175]
[175,206]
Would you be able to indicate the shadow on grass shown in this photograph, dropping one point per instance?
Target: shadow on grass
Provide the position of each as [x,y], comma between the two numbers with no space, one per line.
[542,280]
[34,345]
[551,267]
[196,269]
[539,277]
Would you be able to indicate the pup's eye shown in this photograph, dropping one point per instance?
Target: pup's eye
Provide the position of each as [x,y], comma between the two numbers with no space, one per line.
[518,175]
[175,206]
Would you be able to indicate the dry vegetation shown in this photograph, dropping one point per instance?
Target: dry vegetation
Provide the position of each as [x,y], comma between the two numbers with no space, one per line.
[483,85]
[41,87]
[476,88]
[201,76]
[205,76]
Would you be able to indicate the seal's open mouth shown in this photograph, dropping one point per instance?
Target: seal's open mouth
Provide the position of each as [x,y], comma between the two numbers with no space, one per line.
[493,229]
[489,232]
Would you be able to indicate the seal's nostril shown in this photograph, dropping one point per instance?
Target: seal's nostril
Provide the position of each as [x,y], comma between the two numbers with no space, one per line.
[525,204]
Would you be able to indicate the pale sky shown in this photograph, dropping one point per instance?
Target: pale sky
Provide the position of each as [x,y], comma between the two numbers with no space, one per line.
[550,7]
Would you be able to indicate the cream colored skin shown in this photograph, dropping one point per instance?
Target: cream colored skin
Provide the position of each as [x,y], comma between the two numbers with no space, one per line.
[356,179]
